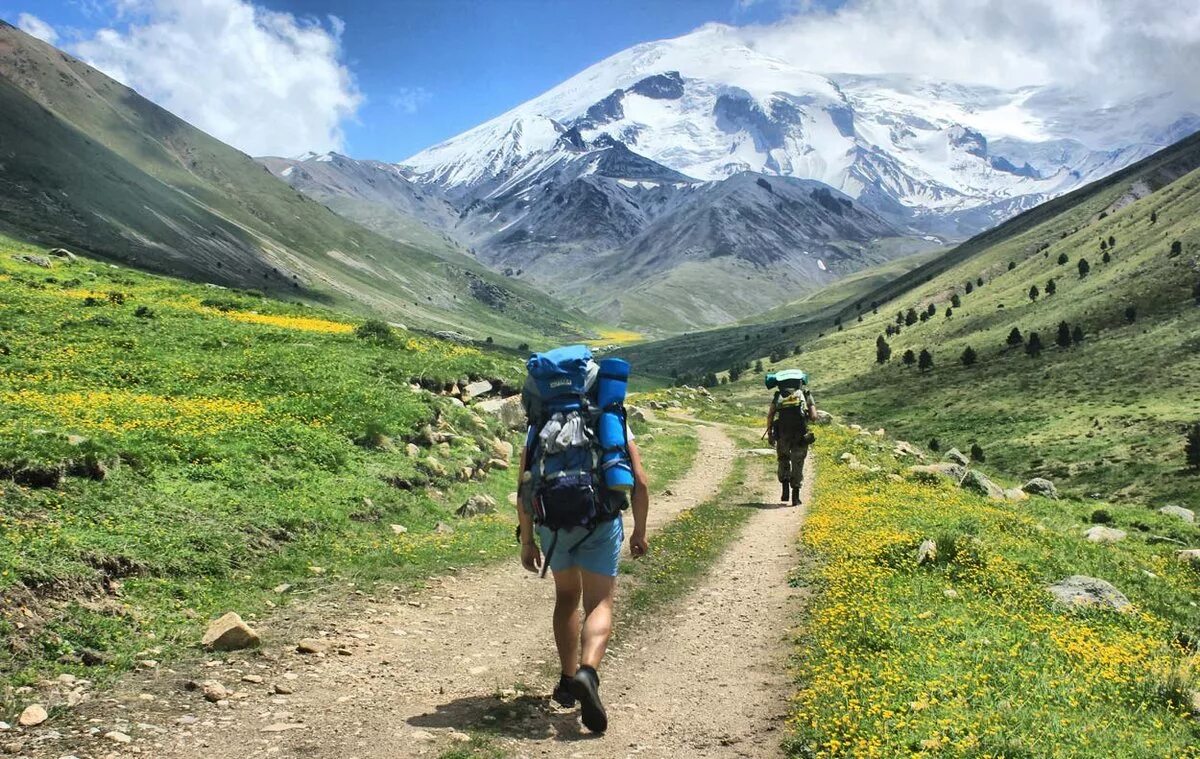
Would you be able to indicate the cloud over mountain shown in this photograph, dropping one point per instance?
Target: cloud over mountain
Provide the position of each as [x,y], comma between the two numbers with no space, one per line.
[263,81]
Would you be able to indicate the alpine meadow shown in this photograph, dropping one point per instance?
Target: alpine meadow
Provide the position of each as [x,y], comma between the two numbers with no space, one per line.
[498,380]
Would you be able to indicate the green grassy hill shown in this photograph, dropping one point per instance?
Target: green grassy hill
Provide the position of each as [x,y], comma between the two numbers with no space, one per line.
[92,166]
[1102,415]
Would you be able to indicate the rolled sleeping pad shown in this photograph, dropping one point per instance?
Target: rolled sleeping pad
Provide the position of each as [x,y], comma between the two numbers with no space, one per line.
[610,429]
[770,380]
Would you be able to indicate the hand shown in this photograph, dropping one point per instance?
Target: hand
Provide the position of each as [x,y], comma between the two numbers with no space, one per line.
[770,439]
[531,557]
[638,545]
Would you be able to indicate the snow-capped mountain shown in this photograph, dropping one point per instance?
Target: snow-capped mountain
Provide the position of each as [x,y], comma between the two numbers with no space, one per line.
[693,181]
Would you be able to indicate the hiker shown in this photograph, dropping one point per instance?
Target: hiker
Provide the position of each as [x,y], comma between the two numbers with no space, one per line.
[580,469]
[791,411]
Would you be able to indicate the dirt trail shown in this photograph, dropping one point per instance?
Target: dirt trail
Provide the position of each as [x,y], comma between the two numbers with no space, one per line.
[393,674]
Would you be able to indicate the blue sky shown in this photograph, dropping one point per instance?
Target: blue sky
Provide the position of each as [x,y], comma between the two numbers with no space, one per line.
[428,69]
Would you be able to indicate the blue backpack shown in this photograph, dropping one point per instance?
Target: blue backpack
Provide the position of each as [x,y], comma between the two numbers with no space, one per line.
[577,469]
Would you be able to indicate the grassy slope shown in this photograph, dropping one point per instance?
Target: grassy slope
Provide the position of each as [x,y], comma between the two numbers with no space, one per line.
[93,166]
[967,656]
[229,440]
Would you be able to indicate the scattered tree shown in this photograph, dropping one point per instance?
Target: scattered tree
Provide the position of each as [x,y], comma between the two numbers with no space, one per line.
[968,356]
[977,453]
[1131,314]
[909,357]
[1154,217]
[969,288]
[374,330]
[1196,293]
[1084,268]
[1063,338]
[796,350]
[1112,241]
[1106,257]
[932,310]
[925,363]
[523,347]
[1034,292]
[979,281]
[1014,337]
[890,330]
[1103,245]
[1176,248]
[710,380]
[1062,258]
[955,301]
[1033,346]
[949,312]
[924,316]
[1191,445]
[935,445]
[883,351]
[490,340]
[735,373]
[1051,287]
[1077,335]
[1012,265]
[758,367]
[910,318]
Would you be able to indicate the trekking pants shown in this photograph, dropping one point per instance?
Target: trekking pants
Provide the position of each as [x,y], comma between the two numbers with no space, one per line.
[791,452]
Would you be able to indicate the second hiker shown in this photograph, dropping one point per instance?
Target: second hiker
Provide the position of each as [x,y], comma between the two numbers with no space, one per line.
[788,418]
[580,469]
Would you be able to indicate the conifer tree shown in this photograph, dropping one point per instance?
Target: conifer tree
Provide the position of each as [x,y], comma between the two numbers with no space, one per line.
[968,356]
[925,363]
[1014,337]
[1063,339]
[1033,346]
[1034,292]
[909,357]
[1051,287]
[1084,268]
[883,351]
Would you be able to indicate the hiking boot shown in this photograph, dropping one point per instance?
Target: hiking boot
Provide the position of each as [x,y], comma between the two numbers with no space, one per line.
[796,496]
[586,687]
[787,491]
[562,693]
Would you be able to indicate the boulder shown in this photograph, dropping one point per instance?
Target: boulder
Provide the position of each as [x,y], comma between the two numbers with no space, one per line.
[1015,494]
[1102,534]
[501,449]
[476,389]
[41,261]
[879,432]
[34,715]
[1179,512]
[904,448]
[636,414]
[399,529]
[957,457]
[434,467]
[823,417]
[1041,486]
[412,451]
[229,633]
[978,482]
[1190,556]
[1080,590]
[849,459]
[926,552]
[509,411]
[64,254]
[943,470]
[476,505]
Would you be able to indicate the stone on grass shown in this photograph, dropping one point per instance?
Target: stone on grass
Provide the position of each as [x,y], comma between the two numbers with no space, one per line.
[904,448]
[943,470]
[502,449]
[1079,591]
[399,529]
[229,633]
[636,414]
[476,389]
[1102,534]
[441,528]
[509,411]
[412,450]
[978,482]
[1041,486]
[1190,556]
[927,551]
[957,457]
[849,459]
[1016,494]
[476,505]
[823,417]
[34,715]
[1180,512]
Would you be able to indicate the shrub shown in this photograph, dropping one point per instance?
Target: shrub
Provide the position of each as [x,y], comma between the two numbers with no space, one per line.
[1077,335]
[949,312]
[1063,258]
[1131,314]
[489,340]
[1034,292]
[143,312]
[935,445]
[1191,446]
[1012,265]
[1101,516]
[979,281]
[116,298]
[925,362]
[1106,258]
[1084,268]
[909,357]
[375,331]
[969,288]
[1034,345]
[1154,217]
[1014,337]
[523,347]
[1196,293]
[1112,241]
[1051,288]
[968,356]
[758,366]
[910,317]
[1063,338]
[735,373]
[955,301]
[91,302]
[1176,248]
[977,451]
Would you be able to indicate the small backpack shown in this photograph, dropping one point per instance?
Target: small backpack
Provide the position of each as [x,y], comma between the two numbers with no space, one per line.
[576,451]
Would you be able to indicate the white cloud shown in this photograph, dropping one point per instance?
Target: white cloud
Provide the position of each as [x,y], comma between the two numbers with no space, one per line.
[263,81]
[410,99]
[34,26]
[1110,49]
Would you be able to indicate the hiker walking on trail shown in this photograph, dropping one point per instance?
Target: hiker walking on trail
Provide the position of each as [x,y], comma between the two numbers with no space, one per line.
[791,411]
[580,469]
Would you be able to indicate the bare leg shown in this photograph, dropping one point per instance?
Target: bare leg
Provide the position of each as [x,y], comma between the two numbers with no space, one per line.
[597,621]
[567,591]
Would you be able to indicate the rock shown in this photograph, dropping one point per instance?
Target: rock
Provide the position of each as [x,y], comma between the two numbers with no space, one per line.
[859,467]
[1102,534]
[282,587]
[256,679]
[476,389]
[399,529]
[229,633]
[761,451]
[978,482]
[1080,590]
[34,715]
[509,411]
[458,737]
[957,457]
[213,691]
[116,736]
[441,528]
[950,593]
[501,449]
[64,254]
[476,505]
[1041,486]
[76,440]
[456,403]
[879,432]
[412,450]
[1186,515]
[1015,494]
[513,499]
[926,552]
[1190,555]
[946,470]
[856,428]
[283,689]
[893,477]
[849,459]
[466,473]
[434,466]
[904,448]
[41,261]
[311,646]
[823,417]
[148,664]
[497,464]
[93,658]
[636,414]
[4,726]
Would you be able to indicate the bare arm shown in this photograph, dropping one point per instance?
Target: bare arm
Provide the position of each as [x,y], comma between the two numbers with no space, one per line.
[531,555]
[812,406]
[770,419]
[638,545]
